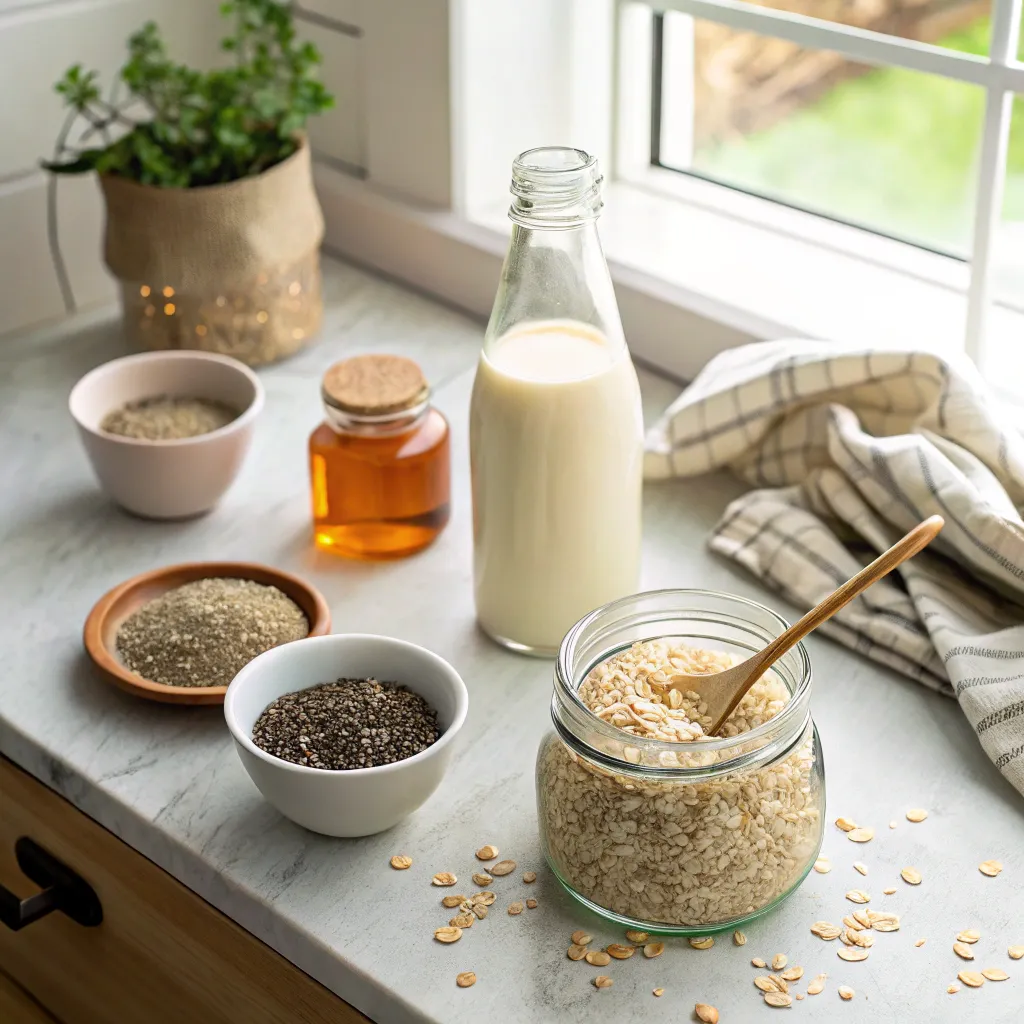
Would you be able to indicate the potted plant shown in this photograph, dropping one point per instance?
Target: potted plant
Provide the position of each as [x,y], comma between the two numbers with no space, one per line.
[213,227]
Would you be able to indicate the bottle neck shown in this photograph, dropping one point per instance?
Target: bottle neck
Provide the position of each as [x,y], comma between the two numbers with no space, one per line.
[345,422]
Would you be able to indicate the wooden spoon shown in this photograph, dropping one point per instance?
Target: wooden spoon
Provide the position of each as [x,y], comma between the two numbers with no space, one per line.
[722,691]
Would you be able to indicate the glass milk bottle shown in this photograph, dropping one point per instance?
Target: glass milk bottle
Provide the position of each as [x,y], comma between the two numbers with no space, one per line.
[556,432]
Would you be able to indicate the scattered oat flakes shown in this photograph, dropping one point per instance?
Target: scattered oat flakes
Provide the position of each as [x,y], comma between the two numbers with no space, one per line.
[479,911]
[990,867]
[858,896]
[757,962]
[970,935]
[707,1014]
[794,973]
[529,877]
[799,996]
[852,953]
[653,949]
[462,921]
[920,942]
[620,952]
[443,878]
[576,952]
[845,824]
[826,930]
[482,878]
[465,979]
[911,876]
[452,901]
[598,958]
[860,866]
[953,989]
[449,934]
[823,865]
[862,938]
[779,961]
[531,904]
[816,984]
[1016,952]
[845,992]
[638,937]
[702,942]
[487,852]
[916,814]
[893,824]
[995,974]
[515,908]
[884,922]
[889,891]
[861,835]
[738,938]
[863,918]
[503,867]
[485,898]
[972,978]
[778,999]
[581,938]
[400,862]
[963,951]
[852,922]
[602,981]
[766,983]
[659,992]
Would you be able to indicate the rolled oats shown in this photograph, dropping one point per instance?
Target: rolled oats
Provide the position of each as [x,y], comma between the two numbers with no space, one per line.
[603,981]
[889,891]
[766,983]
[917,814]
[794,973]
[852,953]
[920,942]
[620,952]
[823,865]
[514,909]
[911,876]
[861,835]
[860,867]
[529,877]
[1016,952]
[972,978]
[675,852]
[531,904]
[858,896]
[779,961]
[638,937]
[485,898]
[452,901]
[816,985]
[449,934]
[995,974]
[953,989]
[598,958]
[465,979]
[487,852]
[581,938]
[482,878]
[576,952]
[705,1013]
[653,949]
[845,992]
[845,824]
[758,962]
[778,999]
[400,862]
[503,867]
[963,950]
[825,930]
[702,942]
[738,938]
[479,911]
[968,935]
[990,867]
[659,992]
[443,878]
[462,921]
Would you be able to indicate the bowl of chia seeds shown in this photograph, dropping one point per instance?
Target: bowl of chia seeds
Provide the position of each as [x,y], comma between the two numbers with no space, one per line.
[167,432]
[346,734]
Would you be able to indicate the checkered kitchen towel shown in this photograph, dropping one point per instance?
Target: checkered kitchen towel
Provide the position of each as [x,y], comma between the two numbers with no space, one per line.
[849,448]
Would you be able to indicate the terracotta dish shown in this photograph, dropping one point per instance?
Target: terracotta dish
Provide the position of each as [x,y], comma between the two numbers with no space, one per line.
[115,606]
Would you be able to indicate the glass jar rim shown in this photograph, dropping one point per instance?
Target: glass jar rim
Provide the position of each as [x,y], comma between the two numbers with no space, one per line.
[779,733]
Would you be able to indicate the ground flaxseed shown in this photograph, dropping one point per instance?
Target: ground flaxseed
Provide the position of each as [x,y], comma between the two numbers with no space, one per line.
[203,633]
[353,723]
[165,418]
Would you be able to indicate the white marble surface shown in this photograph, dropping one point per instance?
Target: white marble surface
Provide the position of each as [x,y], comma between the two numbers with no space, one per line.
[167,781]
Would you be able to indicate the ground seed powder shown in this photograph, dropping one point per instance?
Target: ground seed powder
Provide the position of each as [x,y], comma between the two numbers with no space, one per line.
[163,418]
[353,723]
[204,633]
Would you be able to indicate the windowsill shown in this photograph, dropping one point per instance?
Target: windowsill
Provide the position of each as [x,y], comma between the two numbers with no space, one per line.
[694,273]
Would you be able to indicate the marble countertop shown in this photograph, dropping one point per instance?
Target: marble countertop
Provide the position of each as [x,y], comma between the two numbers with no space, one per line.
[168,782]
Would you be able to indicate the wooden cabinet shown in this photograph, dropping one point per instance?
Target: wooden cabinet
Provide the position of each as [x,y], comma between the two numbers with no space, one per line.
[162,954]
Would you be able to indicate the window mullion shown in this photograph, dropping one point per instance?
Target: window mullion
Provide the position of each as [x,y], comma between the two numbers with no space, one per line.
[991,178]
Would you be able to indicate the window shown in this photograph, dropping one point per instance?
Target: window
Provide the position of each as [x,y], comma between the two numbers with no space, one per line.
[896,117]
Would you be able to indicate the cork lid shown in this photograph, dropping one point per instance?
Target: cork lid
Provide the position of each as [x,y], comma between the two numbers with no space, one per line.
[375,385]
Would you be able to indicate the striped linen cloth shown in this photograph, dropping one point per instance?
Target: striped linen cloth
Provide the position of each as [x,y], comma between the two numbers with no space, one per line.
[848,448]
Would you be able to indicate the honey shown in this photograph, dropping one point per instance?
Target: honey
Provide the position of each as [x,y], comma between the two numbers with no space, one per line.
[380,466]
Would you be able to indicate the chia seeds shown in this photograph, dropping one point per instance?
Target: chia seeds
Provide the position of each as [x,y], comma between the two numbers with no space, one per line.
[163,418]
[353,723]
[204,633]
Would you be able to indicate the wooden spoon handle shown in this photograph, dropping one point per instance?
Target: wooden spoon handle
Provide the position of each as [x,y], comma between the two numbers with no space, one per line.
[919,537]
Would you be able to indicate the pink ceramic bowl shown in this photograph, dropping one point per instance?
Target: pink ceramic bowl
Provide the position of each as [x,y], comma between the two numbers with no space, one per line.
[167,479]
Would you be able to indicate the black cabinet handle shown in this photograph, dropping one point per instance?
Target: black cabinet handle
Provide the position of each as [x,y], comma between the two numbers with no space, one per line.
[63,890]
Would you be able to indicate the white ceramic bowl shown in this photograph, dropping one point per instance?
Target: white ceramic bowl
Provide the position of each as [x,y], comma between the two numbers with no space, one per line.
[362,801]
[167,479]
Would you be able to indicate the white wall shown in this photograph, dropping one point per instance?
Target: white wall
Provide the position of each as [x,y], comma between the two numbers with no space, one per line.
[39,39]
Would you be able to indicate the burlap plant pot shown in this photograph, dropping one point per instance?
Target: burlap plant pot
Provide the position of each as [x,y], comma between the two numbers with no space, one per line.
[232,268]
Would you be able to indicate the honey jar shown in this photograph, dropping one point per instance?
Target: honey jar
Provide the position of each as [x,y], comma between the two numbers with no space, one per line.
[380,464]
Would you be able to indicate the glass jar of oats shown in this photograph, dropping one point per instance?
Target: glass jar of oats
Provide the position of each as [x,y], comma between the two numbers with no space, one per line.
[644,818]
